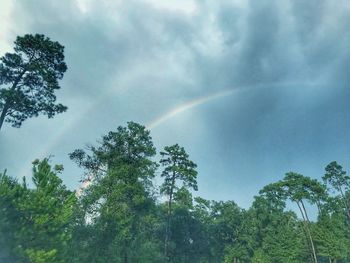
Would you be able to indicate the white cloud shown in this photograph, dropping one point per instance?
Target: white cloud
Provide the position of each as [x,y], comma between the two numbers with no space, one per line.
[185,6]
[6,28]
[84,5]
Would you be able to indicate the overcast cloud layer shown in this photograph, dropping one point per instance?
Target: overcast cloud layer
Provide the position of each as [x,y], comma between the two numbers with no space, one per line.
[288,62]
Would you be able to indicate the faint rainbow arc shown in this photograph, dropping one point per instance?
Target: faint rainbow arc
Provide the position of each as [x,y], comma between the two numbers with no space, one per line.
[186,106]
[182,108]
[154,123]
[160,119]
[168,115]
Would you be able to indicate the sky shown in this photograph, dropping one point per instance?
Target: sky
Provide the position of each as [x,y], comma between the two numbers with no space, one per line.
[251,89]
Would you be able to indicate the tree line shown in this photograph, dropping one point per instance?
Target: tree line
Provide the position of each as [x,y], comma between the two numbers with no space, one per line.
[121,216]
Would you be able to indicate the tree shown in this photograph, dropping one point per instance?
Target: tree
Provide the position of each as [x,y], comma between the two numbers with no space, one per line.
[10,193]
[177,167]
[119,201]
[299,188]
[184,245]
[282,242]
[35,223]
[331,235]
[29,78]
[46,215]
[229,232]
[206,228]
[274,233]
[337,178]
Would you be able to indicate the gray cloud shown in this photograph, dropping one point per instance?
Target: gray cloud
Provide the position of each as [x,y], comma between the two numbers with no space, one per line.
[130,60]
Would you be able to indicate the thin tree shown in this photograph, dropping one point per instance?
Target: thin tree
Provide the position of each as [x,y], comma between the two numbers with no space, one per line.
[177,167]
[337,178]
[299,188]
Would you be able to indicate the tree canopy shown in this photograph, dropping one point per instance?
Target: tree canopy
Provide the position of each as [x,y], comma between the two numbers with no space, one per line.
[123,216]
[29,78]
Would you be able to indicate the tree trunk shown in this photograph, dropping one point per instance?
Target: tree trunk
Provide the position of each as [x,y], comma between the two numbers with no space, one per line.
[125,257]
[307,230]
[345,201]
[3,114]
[125,252]
[8,102]
[311,240]
[167,229]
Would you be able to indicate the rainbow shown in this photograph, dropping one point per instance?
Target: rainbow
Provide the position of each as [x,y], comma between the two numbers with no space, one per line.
[71,123]
[202,100]
[186,106]
[60,133]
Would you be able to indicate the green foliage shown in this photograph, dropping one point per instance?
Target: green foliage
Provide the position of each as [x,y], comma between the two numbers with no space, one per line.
[37,221]
[336,177]
[283,242]
[47,212]
[332,237]
[119,200]
[260,257]
[29,78]
[177,167]
[10,193]
[118,217]
[41,256]
[339,183]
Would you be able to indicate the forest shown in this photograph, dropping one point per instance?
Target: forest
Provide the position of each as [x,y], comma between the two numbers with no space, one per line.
[121,215]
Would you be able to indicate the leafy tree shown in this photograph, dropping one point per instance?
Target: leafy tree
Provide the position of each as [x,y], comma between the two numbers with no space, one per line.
[29,78]
[177,167]
[229,231]
[282,242]
[119,201]
[36,222]
[183,228]
[332,237]
[339,181]
[263,215]
[207,248]
[299,188]
[46,215]
[10,193]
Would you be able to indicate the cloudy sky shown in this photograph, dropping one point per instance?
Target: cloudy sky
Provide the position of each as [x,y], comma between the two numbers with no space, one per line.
[251,89]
